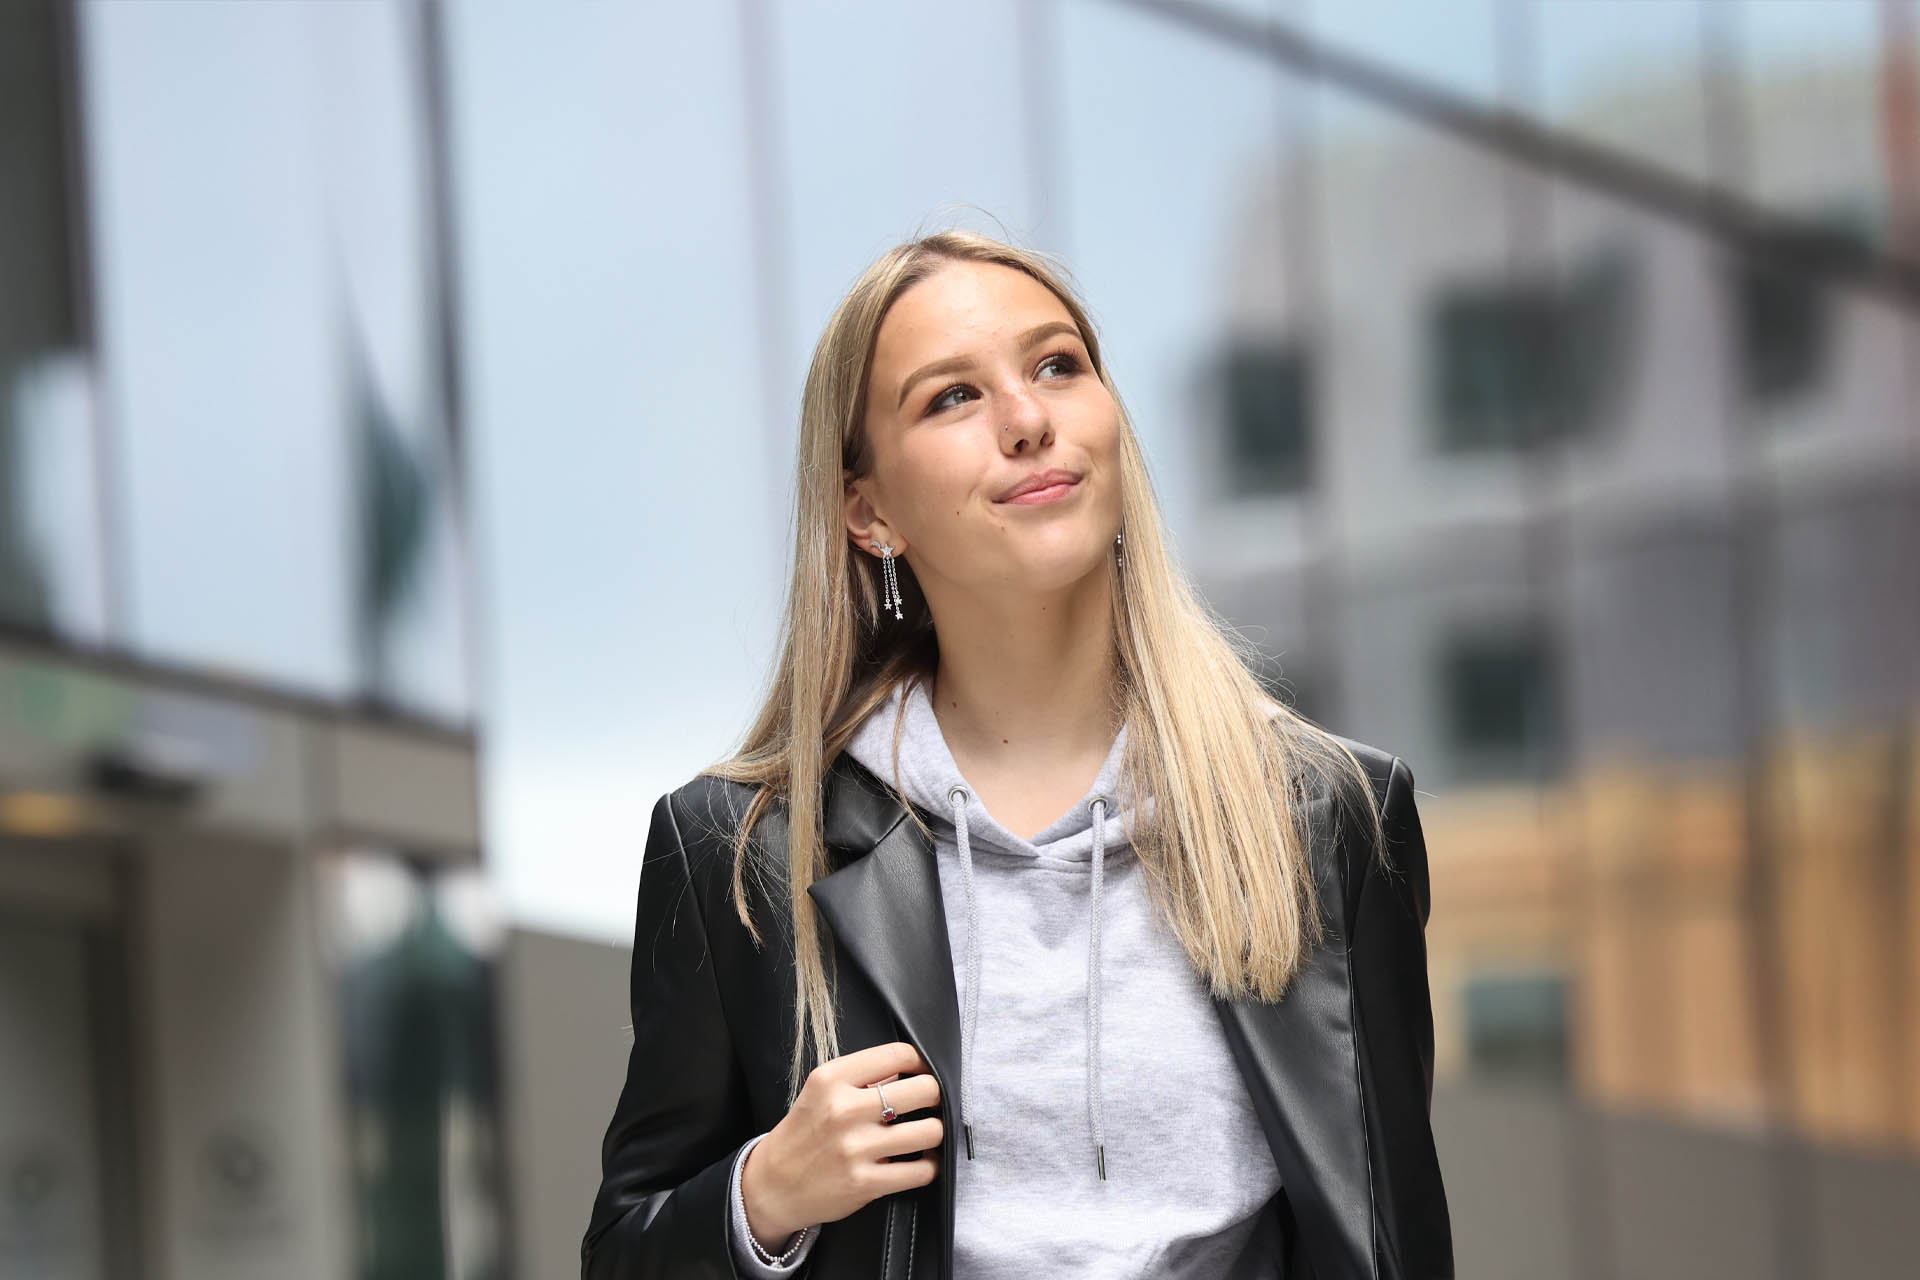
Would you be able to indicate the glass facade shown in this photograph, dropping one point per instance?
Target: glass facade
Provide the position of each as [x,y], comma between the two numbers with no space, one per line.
[225,430]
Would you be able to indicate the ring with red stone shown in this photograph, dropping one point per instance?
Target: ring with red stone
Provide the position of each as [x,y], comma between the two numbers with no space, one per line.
[886,1112]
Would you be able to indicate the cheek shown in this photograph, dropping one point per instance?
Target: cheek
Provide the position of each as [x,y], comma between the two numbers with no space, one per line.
[1106,415]
[936,484]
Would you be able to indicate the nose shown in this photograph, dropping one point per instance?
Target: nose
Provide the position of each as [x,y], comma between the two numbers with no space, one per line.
[1026,430]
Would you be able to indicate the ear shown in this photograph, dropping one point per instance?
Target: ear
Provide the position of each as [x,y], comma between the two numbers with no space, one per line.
[864,524]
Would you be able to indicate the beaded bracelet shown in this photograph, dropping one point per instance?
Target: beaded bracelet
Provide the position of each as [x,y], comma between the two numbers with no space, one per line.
[740,1222]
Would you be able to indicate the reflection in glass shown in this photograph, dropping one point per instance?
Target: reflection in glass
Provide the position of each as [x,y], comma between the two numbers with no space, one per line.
[1781,308]
[397,502]
[417,993]
[1516,364]
[1501,715]
[1267,389]
[1516,1027]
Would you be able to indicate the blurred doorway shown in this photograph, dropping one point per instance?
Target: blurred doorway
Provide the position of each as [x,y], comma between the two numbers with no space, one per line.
[67,1174]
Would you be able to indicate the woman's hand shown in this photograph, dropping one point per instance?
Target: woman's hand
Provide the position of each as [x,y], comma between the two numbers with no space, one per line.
[828,1157]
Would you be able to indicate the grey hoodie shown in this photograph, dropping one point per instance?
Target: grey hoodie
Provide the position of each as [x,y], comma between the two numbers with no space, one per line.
[1110,1132]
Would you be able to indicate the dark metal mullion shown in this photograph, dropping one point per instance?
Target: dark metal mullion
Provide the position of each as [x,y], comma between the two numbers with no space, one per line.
[84,291]
[1754,528]
[110,956]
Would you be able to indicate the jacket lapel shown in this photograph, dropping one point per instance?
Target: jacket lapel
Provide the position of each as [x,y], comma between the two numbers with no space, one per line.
[1300,1062]
[885,910]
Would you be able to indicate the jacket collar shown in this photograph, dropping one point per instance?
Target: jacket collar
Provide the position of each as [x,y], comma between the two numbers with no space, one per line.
[1298,1057]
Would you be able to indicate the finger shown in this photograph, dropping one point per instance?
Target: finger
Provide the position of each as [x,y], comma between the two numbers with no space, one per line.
[863,1066]
[904,1175]
[904,1136]
[911,1093]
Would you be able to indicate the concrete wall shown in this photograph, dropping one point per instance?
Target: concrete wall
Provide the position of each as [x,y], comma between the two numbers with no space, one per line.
[1542,1189]
[244,1170]
[565,1005]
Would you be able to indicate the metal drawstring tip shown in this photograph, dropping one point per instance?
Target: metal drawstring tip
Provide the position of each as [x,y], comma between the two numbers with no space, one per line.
[968,1130]
[1100,1155]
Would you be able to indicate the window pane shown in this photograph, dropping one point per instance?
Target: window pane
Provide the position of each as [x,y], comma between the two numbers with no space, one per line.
[265,305]
[1817,103]
[1630,77]
[627,456]
[863,178]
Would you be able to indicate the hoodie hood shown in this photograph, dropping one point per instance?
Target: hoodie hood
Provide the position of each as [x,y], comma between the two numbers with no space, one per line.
[1094,831]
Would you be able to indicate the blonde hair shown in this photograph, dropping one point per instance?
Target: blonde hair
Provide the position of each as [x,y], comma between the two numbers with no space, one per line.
[1225,850]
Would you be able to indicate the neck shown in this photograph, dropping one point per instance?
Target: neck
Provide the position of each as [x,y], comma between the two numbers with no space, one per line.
[1028,682]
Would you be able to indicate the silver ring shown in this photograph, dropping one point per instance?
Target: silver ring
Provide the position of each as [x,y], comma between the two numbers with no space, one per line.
[886,1112]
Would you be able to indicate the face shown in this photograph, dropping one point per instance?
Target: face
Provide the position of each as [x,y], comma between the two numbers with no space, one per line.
[1011,394]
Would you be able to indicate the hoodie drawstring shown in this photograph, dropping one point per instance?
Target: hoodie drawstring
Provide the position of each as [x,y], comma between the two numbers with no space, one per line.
[1093,989]
[957,796]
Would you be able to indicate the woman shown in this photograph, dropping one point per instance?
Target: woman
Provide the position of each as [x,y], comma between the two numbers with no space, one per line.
[1025,935]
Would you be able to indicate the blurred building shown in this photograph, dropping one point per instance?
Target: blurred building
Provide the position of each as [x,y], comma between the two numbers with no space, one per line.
[246,970]
[1532,381]
[1577,457]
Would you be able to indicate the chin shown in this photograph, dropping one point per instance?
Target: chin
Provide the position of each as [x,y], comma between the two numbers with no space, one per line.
[1045,572]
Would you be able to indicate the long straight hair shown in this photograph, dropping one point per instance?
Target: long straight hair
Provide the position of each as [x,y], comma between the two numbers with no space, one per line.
[1225,848]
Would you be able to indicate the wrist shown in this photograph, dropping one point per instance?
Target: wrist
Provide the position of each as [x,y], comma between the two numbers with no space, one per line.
[771,1231]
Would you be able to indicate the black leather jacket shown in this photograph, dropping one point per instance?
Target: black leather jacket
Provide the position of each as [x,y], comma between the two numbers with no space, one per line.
[1340,1070]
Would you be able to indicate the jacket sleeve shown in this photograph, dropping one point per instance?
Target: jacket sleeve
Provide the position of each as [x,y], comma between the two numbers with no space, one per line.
[1413,1235]
[682,1116]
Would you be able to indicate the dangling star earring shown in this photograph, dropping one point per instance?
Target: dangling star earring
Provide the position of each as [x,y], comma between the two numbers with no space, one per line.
[891,578]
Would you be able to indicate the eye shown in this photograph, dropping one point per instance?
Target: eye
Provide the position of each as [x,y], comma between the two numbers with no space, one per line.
[938,403]
[1067,363]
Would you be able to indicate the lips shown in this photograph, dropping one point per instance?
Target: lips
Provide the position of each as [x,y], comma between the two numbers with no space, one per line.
[1037,481]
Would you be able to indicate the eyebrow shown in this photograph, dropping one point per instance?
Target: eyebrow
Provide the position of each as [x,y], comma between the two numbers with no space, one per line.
[953,364]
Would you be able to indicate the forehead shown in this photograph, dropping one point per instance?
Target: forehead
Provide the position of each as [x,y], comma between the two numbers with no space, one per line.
[961,304]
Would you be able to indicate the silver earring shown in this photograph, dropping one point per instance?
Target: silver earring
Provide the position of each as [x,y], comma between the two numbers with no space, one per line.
[1118,558]
[890,577]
